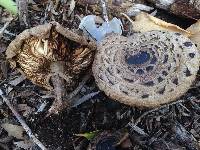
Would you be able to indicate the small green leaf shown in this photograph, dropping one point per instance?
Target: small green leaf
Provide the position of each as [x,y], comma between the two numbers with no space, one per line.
[9,5]
[88,135]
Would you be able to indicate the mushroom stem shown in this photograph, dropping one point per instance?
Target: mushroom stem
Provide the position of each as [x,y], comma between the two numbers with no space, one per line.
[58,83]
[59,91]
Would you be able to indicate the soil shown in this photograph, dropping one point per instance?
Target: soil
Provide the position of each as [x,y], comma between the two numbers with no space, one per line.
[172,126]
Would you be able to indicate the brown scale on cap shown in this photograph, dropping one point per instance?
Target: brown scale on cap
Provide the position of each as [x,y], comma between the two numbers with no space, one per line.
[147,69]
[51,57]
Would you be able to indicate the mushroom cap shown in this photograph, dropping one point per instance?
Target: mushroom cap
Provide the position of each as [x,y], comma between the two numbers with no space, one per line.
[36,50]
[146,69]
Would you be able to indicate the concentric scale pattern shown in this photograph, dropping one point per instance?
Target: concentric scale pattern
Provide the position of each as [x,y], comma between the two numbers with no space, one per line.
[146,69]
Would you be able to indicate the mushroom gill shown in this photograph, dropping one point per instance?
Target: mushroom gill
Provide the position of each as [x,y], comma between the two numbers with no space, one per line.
[146,69]
[51,56]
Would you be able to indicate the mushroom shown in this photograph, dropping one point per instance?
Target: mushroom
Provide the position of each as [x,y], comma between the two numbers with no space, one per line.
[146,69]
[52,57]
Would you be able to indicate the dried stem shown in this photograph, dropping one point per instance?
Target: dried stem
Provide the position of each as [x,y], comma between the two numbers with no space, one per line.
[22,122]
[105,13]
[23,12]
[77,90]
[155,109]
[84,98]
[2,30]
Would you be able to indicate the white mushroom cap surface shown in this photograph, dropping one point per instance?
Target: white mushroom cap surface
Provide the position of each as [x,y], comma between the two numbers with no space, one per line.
[146,69]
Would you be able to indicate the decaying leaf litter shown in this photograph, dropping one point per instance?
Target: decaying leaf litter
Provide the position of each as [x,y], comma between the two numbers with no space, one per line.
[171,126]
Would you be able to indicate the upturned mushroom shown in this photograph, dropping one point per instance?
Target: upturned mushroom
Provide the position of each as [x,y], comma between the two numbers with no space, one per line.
[52,57]
[146,69]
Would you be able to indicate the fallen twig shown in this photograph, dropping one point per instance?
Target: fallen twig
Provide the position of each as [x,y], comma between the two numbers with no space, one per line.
[2,30]
[84,98]
[152,110]
[22,122]
[23,12]
[77,90]
[105,13]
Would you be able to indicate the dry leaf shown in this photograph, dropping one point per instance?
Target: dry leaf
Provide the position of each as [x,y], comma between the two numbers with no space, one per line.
[2,47]
[195,30]
[71,7]
[27,110]
[137,8]
[13,130]
[145,22]
[34,6]
[4,68]
[15,82]
[26,144]
[183,8]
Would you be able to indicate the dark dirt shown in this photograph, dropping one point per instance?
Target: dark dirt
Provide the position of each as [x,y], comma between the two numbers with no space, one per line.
[173,126]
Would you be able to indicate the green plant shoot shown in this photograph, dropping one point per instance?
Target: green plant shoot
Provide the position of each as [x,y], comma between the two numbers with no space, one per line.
[88,135]
[10,5]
